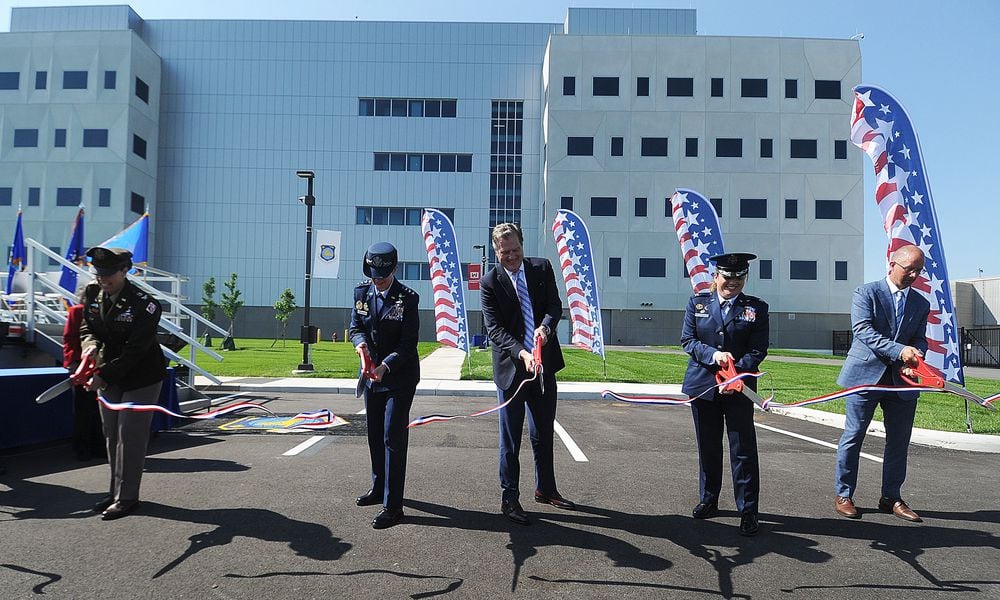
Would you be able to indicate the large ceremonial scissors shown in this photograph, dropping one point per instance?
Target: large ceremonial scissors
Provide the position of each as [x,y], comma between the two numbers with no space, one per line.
[82,375]
[928,376]
[727,373]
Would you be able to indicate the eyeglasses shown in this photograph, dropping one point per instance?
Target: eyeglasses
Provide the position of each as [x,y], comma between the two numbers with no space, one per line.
[909,270]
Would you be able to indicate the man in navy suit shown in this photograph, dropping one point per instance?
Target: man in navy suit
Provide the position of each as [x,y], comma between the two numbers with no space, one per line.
[889,321]
[725,326]
[384,322]
[521,303]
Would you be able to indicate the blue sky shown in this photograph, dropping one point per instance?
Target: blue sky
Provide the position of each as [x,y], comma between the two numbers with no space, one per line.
[938,58]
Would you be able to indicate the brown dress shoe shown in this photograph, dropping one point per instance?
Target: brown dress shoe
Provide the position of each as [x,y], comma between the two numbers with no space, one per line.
[899,508]
[555,500]
[845,507]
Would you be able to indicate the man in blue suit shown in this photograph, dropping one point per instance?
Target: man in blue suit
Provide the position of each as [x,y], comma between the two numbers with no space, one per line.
[725,326]
[889,321]
[384,322]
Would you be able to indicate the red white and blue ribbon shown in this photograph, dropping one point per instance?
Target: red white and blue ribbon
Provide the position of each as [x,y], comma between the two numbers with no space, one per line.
[214,414]
[450,321]
[678,400]
[576,260]
[441,418]
[699,234]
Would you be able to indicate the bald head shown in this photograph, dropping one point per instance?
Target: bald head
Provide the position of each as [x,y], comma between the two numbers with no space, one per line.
[905,266]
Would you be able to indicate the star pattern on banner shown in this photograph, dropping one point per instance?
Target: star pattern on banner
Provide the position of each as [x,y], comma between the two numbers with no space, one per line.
[576,260]
[450,320]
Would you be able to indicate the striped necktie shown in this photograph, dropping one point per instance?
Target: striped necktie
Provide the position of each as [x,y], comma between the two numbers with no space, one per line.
[526,312]
[900,302]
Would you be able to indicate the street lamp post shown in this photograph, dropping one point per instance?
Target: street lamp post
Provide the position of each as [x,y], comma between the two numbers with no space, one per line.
[307,335]
[481,274]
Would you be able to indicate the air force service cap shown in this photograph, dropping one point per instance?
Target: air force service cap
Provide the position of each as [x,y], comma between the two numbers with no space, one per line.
[108,261]
[380,260]
[733,264]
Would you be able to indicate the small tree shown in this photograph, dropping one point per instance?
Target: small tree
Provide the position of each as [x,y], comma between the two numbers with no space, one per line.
[208,306]
[231,304]
[283,309]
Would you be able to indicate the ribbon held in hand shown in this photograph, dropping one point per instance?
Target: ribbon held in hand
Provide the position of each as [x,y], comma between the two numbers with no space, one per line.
[729,380]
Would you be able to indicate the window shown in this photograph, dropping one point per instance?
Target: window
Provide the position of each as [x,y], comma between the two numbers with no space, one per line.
[137,204]
[614,267]
[366,107]
[840,149]
[566,202]
[363,215]
[6,196]
[59,140]
[827,89]
[416,108]
[380,215]
[10,80]
[580,146]
[617,146]
[840,270]
[449,108]
[766,148]
[95,138]
[398,107]
[716,87]
[383,107]
[680,86]
[803,148]
[74,80]
[652,267]
[142,90]
[397,216]
[791,88]
[569,86]
[41,80]
[802,269]
[753,88]
[640,207]
[69,196]
[728,147]
[642,86]
[432,108]
[104,197]
[753,208]
[691,147]
[414,162]
[34,196]
[110,80]
[603,206]
[448,163]
[605,86]
[764,267]
[25,138]
[654,146]
[829,209]
[717,205]
[791,208]
[397,162]
[138,146]
[463,163]
[381,161]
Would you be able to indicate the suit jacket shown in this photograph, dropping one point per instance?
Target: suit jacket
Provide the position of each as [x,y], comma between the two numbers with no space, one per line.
[128,353]
[744,333]
[505,324]
[876,345]
[391,334]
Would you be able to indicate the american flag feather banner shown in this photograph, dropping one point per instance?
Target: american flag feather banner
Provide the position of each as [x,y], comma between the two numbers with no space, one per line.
[577,263]
[699,234]
[450,320]
[881,127]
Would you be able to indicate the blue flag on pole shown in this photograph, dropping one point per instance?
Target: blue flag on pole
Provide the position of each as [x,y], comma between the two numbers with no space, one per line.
[18,253]
[135,238]
[75,253]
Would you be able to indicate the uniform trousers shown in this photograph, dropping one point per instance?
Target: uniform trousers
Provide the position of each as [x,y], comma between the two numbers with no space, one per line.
[128,435]
[735,413]
[388,414]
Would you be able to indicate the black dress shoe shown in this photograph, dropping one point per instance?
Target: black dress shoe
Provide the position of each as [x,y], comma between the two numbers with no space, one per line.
[119,509]
[749,525]
[369,499]
[103,504]
[555,500]
[513,511]
[387,517]
[705,510]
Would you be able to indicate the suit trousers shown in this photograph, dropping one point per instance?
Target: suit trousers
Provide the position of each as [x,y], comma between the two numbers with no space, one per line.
[541,409]
[128,435]
[734,413]
[898,419]
[388,414]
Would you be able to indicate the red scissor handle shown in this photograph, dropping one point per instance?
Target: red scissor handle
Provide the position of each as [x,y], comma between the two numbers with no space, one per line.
[536,353]
[367,364]
[727,370]
[86,370]
[927,375]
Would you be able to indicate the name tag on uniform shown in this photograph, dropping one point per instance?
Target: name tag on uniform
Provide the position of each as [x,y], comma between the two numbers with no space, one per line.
[701,311]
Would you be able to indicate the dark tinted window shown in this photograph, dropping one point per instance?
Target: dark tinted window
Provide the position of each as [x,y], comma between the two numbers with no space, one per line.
[137,204]
[366,107]
[614,267]
[6,199]
[791,88]
[415,108]
[142,90]
[569,86]
[381,161]
[566,202]
[414,162]
[654,146]
[110,80]
[104,197]
[449,108]
[605,86]
[398,107]
[432,162]
[829,209]
[617,146]
[728,147]
[383,107]
[716,87]
[840,149]
[764,268]
[69,196]
[691,147]
[397,162]
[74,80]
[840,270]
[717,205]
[791,208]
[463,163]
[753,88]
[580,146]
[25,138]
[603,206]
[138,146]
[642,86]
[766,148]
[34,196]
[363,215]
[448,163]
[432,108]
[680,86]
[640,207]
[95,138]
[59,140]
[753,208]
[827,89]
[802,269]
[803,149]
[652,267]
[10,80]
[41,80]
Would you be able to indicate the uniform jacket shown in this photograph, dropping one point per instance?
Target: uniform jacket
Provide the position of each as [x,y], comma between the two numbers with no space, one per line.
[505,325]
[391,335]
[876,345]
[744,334]
[128,354]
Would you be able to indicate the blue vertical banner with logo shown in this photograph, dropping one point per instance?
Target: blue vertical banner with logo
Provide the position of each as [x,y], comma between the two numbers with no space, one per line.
[326,255]
[75,253]
[18,253]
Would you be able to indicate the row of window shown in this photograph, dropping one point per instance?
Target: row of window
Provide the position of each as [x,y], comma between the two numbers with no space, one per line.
[71,80]
[71,196]
[799,270]
[750,208]
[395,215]
[407,107]
[92,138]
[680,87]
[445,163]
[724,147]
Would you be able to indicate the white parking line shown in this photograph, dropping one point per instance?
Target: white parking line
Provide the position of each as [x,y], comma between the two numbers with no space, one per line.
[362,411]
[574,450]
[304,445]
[870,457]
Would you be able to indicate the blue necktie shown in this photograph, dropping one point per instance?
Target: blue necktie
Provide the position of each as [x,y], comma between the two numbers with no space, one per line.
[526,312]
[725,309]
[900,301]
